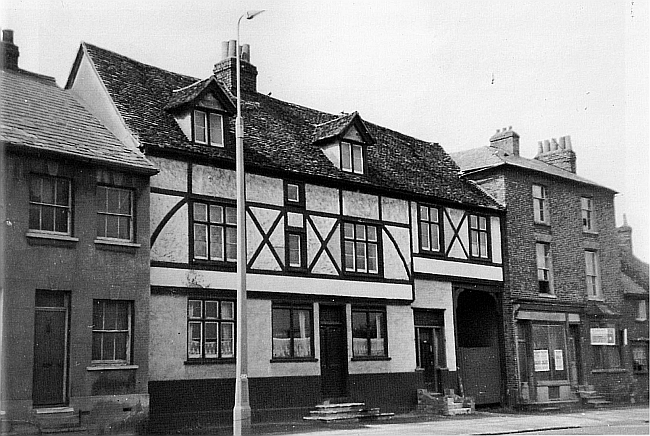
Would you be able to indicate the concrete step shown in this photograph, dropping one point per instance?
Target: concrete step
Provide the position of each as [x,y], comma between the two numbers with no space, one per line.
[326,406]
[57,419]
[63,430]
[460,411]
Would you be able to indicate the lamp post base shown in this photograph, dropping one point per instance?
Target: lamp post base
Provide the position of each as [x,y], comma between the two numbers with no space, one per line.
[241,413]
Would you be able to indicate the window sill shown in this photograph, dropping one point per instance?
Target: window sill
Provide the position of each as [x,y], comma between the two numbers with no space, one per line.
[543,224]
[51,237]
[545,295]
[641,319]
[370,358]
[228,361]
[111,367]
[609,371]
[294,360]
[116,243]
[595,299]
[590,233]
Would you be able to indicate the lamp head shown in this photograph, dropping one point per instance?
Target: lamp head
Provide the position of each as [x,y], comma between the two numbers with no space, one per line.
[252,14]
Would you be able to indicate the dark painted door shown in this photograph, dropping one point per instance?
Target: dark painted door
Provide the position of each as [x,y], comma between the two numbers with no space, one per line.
[49,356]
[333,352]
[429,356]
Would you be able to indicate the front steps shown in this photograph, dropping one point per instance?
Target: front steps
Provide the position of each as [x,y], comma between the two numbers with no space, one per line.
[590,397]
[448,404]
[345,412]
[52,420]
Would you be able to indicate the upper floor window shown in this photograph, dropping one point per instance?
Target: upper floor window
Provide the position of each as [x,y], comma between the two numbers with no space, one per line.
[208,128]
[540,204]
[478,236]
[114,213]
[292,331]
[352,157]
[544,268]
[50,204]
[210,329]
[587,206]
[369,337]
[593,274]
[112,327]
[294,194]
[641,310]
[429,228]
[215,232]
[361,248]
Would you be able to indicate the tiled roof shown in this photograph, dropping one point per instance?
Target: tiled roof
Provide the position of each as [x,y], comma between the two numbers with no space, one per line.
[635,274]
[338,127]
[35,114]
[189,93]
[486,157]
[280,135]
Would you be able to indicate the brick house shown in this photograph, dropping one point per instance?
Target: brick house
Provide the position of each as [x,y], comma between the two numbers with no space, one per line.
[75,270]
[369,274]
[634,279]
[562,295]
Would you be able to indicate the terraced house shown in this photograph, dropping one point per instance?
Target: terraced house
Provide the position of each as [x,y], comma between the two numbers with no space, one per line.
[373,268]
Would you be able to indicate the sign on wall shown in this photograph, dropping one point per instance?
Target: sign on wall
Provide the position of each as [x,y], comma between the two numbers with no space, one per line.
[541,361]
[603,336]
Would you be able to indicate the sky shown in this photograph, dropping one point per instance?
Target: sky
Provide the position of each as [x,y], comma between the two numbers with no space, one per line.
[450,72]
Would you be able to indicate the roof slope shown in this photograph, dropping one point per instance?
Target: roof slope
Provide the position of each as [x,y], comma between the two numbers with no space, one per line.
[280,135]
[486,157]
[635,274]
[36,114]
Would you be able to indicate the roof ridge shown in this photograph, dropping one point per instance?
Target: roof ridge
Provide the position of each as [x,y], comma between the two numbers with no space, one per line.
[192,84]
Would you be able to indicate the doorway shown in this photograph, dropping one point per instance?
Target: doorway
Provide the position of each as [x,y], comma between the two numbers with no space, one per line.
[333,351]
[430,348]
[50,349]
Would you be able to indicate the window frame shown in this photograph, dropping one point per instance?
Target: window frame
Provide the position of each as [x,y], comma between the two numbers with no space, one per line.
[596,276]
[547,258]
[41,205]
[219,320]
[128,341]
[643,345]
[587,211]
[207,118]
[641,310]
[368,310]
[377,243]
[430,224]
[541,206]
[350,167]
[477,230]
[225,225]
[600,354]
[292,307]
[106,214]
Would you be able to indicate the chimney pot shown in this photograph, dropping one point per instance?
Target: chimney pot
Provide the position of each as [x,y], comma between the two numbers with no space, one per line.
[509,127]
[547,146]
[568,142]
[540,147]
[232,48]
[246,53]
[498,130]
[8,36]
[224,49]
[554,144]
[563,143]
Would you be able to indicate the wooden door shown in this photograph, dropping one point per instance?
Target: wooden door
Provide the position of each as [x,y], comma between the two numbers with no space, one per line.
[333,352]
[430,356]
[49,356]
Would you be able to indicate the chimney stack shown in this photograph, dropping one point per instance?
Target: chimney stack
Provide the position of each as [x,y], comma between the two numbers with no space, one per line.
[560,154]
[625,236]
[9,50]
[226,70]
[506,141]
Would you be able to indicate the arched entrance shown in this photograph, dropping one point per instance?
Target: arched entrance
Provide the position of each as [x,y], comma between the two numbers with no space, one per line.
[477,327]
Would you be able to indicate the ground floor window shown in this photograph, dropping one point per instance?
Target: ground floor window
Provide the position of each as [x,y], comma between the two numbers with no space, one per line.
[640,357]
[112,326]
[292,331]
[210,329]
[549,351]
[369,337]
[605,345]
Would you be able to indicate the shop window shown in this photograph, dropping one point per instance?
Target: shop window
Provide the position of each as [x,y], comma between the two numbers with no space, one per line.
[549,351]
[50,204]
[210,329]
[369,332]
[292,331]
[111,331]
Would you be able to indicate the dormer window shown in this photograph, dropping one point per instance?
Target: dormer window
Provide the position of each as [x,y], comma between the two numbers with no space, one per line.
[208,128]
[352,157]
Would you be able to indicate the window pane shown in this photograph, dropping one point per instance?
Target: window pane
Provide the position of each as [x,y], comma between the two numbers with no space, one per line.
[200,241]
[216,243]
[357,154]
[61,220]
[97,346]
[62,192]
[113,203]
[227,339]
[211,339]
[98,315]
[120,346]
[435,237]
[424,236]
[482,223]
[474,242]
[124,227]
[216,131]
[110,316]
[231,243]
[281,333]
[112,226]
[35,185]
[302,333]
[125,202]
[294,250]
[359,334]
[211,309]
[372,258]
[34,217]
[372,233]
[433,214]
[194,339]
[47,218]
[199,126]
[361,256]
[349,255]
[348,230]
[346,157]
[424,213]
[378,334]
[293,192]
[194,308]
[227,310]
[200,212]
[231,215]
[216,214]
[48,190]
[473,221]
[361,232]
[483,243]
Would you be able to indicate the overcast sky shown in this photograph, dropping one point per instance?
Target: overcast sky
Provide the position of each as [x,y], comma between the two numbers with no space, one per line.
[450,72]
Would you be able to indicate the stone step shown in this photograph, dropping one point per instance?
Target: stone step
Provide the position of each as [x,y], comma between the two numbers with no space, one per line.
[55,419]
[460,411]
[63,430]
[598,402]
[339,405]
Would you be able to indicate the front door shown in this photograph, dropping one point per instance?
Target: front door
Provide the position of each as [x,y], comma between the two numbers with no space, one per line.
[50,330]
[333,352]
[429,356]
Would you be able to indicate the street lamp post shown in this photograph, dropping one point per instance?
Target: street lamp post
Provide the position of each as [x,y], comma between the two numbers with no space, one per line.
[241,413]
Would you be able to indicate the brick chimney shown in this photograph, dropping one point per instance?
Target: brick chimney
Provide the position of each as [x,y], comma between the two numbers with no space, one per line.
[9,50]
[559,154]
[625,236]
[506,140]
[226,69]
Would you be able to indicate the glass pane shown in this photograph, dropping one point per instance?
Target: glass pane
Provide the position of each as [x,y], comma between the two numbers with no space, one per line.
[302,333]
[482,223]
[231,215]
[435,237]
[47,218]
[61,220]
[231,243]
[434,215]
[348,230]
[281,333]
[293,193]
[361,256]
[35,184]
[122,321]
[199,126]
[108,346]
[227,339]
[424,236]
[101,226]
[200,241]
[424,213]
[216,214]
[216,132]
[97,346]
[216,243]
[346,157]
[34,217]
[474,242]
[227,310]
[294,250]
[194,339]
[200,212]
[537,191]
[124,224]
[359,334]
[372,233]
[361,232]
[211,310]
[62,192]
[111,226]
[113,204]
[358,159]
[211,332]
[120,346]
[125,202]
[211,351]
[110,315]
[194,308]
[349,255]
[472,221]
[98,315]
[372,257]
[48,190]
[483,243]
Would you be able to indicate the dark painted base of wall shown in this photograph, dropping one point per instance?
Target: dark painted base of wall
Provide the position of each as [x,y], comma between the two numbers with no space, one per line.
[188,404]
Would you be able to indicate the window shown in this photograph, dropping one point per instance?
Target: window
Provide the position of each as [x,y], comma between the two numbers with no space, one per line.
[360,247]
[295,232]
[640,357]
[114,213]
[369,332]
[587,206]
[292,331]
[478,236]
[429,228]
[293,193]
[544,268]
[215,232]
[352,157]
[210,329]
[540,204]
[208,128]
[549,352]
[641,311]
[112,324]
[295,246]
[606,356]
[50,204]
[593,275]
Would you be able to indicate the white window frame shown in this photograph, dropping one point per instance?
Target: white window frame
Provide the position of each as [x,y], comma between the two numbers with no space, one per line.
[479,236]
[544,267]
[540,204]
[201,319]
[592,273]
[226,224]
[41,205]
[430,226]
[352,244]
[355,158]
[103,331]
[587,210]
[210,120]
[107,214]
